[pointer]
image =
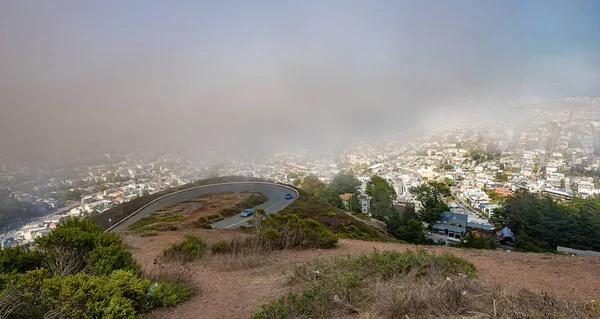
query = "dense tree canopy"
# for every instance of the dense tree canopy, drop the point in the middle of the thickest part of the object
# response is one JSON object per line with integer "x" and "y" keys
{"x": 430, "y": 196}
{"x": 541, "y": 224}
{"x": 345, "y": 182}
{"x": 354, "y": 204}
{"x": 311, "y": 183}
{"x": 383, "y": 196}
{"x": 407, "y": 226}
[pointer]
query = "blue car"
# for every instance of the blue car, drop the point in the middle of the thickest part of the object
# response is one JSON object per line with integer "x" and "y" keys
{"x": 288, "y": 196}
{"x": 247, "y": 212}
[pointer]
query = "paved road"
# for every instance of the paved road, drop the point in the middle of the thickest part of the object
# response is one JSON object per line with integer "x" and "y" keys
{"x": 275, "y": 192}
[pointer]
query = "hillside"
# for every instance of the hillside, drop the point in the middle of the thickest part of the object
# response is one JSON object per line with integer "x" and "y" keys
{"x": 335, "y": 219}
{"x": 227, "y": 285}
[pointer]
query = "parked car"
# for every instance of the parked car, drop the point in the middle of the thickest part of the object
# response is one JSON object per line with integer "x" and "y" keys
{"x": 247, "y": 212}
{"x": 288, "y": 196}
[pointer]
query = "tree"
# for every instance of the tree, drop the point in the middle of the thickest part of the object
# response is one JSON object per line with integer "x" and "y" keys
{"x": 449, "y": 181}
{"x": 501, "y": 177}
{"x": 311, "y": 183}
{"x": 477, "y": 241}
{"x": 562, "y": 183}
{"x": 407, "y": 227}
{"x": 345, "y": 182}
{"x": 354, "y": 204}
{"x": 430, "y": 196}
{"x": 292, "y": 175}
{"x": 331, "y": 194}
{"x": 540, "y": 223}
{"x": 296, "y": 182}
{"x": 383, "y": 196}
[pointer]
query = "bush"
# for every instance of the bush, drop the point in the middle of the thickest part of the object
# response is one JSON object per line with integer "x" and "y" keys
{"x": 477, "y": 241}
{"x": 149, "y": 233}
{"x": 155, "y": 220}
{"x": 167, "y": 294}
{"x": 19, "y": 260}
{"x": 220, "y": 247}
{"x": 79, "y": 245}
{"x": 251, "y": 202}
{"x": 121, "y": 295}
{"x": 190, "y": 249}
{"x": 227, "y": 212}
{"x": 83, "y": 273}
{"x": 334, "y": 219}
{"x": 204, "y": 222}
{"x": 284, "y": 231}
{"x": 341, "y": 286}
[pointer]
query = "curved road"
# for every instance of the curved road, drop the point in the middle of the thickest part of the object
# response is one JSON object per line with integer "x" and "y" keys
{"x": 275, "y": 192}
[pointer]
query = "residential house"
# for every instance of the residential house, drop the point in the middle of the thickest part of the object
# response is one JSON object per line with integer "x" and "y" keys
{"x": 346, "y": 199}
{"x": 451, "y": 224}
{"x": 365, "y": 203}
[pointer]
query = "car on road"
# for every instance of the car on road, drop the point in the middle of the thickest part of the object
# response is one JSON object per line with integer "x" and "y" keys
{"x": 247, "y": 212}
{"x": 288, "y": 196}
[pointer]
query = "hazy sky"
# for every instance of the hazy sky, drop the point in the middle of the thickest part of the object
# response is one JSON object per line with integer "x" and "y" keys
{"x": 239, "y": 75}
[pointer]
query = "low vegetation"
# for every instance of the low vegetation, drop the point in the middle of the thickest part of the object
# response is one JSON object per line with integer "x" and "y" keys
{"x": 477, "y": 240}
{"x": 190, "y": 249}
{"x": 79, "y": 271}
{"x": 409, "y": 284}
{"x": 120, "y": 211}
{"x": 333, "y": 218}
{"x": 540, "y": 223}
{"x": 249, "y": 202}
{"x": 204, "y": 222}
{"x": 155, "y": 221}
{"x": 271, "y": 232}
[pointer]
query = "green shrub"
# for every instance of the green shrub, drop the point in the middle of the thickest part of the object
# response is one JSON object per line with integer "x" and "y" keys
{"x": 477, "y": 242}
{"x": 190, "y": 249}
{"x": 334, "y": 219}
{"x": 84, "y": 273}
{"x": 251, "y": 201}
{"x": 341, "y": 286}
{"x": 155, "y": 220}
{"x": 204, "y": 222}
{"x": 85, "y": 246}
{"x": 167, "y": 294}
{"x": 19, "y": 260}
{"x": 325, "y": 299}
{"x": 284, "y": 231}
{"x": 149, "y": 233}
{"x": 220, "y": 247}
{"x": 230, "y": 211}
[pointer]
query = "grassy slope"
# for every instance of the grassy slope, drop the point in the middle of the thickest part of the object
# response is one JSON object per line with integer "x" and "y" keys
{"x": 345, "y": 226}
{"x": 119, "y": 212}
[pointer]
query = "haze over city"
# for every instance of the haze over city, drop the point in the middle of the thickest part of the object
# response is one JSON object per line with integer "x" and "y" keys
{"x": 238, "y": 77}
{"x": 299, "y": 159}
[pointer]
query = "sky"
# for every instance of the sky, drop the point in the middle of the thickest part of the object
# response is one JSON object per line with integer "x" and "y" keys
{"x": 255, "y": 76}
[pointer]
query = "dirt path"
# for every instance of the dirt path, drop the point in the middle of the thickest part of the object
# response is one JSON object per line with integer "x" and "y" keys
{"x": 239, "y": 293}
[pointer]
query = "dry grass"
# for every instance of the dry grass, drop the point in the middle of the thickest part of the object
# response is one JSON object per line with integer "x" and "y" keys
{"x": 407, "y": 285}
{"x": 432, "y": 297}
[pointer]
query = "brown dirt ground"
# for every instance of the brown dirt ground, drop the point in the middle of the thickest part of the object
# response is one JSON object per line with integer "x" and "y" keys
{"x": 239, "y": 293}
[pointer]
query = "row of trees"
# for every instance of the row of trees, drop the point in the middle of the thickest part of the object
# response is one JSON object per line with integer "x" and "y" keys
{"x": 540, "y": 223}
{"x": 342, "y": 183}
